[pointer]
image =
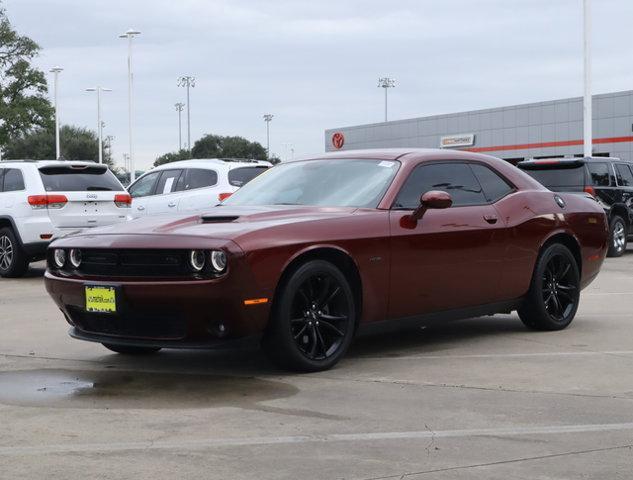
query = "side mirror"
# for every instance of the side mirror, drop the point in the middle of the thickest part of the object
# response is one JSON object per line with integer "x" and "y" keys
{"x": 434, "y": 199}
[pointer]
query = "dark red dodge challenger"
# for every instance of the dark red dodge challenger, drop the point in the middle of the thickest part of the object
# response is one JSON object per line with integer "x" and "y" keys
{"x": 312, "y": 251}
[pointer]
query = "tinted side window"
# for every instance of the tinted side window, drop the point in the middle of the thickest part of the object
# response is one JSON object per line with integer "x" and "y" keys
{"x": 624, "y": 175}
{"x": 493, "y": 185}
{"x": 167, "y": 182}
{"x": 13, "y": 180}
{"x": 1, "y": 178}
{"x": 144, "y": 186}
{"x": 599, "y": 174}
{"x": 455, "y": 178}
{"x": 238, "y": 177}
{"x": 200, "y": 178}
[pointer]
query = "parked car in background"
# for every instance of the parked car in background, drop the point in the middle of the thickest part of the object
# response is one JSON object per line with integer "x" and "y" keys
{"x": 191, "y": 185}
{"x": 608, "y": 180}
{"x": 43, "y": 200}
{"x": 313, "y": 251}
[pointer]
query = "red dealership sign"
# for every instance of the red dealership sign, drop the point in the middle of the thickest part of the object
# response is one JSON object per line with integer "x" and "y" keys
{"x": 338, "y": 140}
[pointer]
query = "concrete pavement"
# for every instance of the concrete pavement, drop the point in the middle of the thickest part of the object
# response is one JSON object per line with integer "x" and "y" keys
{"x": 482, "y": 398}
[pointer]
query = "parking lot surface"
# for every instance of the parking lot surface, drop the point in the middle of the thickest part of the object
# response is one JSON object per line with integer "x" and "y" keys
{"x": 480, "y": 398}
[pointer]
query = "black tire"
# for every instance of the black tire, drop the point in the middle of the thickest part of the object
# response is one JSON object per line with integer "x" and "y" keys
{"x": 617, "y": 237}
{"x": 313, "y": 319}
{"x": 130, "y": 350}
{"x": 13, "y": 261}
{"x": 552, "y": 301}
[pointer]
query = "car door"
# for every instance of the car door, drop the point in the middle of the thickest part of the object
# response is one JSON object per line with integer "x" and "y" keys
{"x": 452, "y": 258}
{"x": 141, "y": 192}
{"x": 200, "y": 190}
{"x": 167, "y": 195}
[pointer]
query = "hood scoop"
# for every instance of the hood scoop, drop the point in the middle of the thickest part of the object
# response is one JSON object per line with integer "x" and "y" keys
{"x": 218, "y": 219}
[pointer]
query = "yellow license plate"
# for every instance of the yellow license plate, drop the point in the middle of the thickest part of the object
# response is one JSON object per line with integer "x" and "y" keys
{"x": 101, "y": 299}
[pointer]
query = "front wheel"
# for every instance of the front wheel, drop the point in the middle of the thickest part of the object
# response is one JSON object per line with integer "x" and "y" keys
{"x": 617, "y": 237}
{"x": 129, "y": 350}
{"x": 313, "y": 319}
{"x": 554, "y": 294}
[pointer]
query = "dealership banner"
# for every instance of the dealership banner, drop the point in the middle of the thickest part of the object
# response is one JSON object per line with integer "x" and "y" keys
{"x": 461, "y": 140}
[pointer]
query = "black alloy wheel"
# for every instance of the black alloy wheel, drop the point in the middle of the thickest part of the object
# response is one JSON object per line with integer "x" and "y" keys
{"x": 320, "y": 316}
{"x": 559, "y": 287}
{"x": 554, "y": 294}
{"x": 313, "y": 318}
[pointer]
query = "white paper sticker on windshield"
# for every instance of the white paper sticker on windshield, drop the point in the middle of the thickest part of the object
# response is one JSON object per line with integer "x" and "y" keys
{"x": 386, "y": 164}
{"x": 168, "y": 185}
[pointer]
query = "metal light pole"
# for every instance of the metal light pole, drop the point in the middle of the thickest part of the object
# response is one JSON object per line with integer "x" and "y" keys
{"x": 99, "y": 89}
{"x": 268, "y": 118}
{"x": 55, "y": 71}
{"x": 188, "y": 82}
{"x": 587, "y": 113}
{"x": 130, "y": 34}
{"x": 179, "y": 106}
{"x": 386, "y": 83}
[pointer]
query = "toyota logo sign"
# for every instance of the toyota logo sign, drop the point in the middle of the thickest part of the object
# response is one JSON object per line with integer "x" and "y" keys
{"x": 338, "y": 140}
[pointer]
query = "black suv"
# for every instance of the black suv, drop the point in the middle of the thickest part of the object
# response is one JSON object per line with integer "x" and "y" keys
{"x": 609, "y": 180}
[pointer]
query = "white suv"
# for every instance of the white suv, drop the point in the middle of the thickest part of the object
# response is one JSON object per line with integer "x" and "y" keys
{"x": 191, "y": 186}
{"x": 43, "y": 200}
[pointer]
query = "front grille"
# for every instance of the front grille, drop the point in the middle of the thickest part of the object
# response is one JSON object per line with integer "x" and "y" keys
{"x": 131, "y": 324}
{"x": 134, "y": 263}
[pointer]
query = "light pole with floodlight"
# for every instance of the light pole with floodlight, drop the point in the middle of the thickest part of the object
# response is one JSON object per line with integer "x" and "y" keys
{"x": 179, "y": 106}
{"x": 188, "y": 82}
{"x": 99, "y": 89}
{"x": 130, "y": 34}
{"x": 55, "y": 71}
{"x": 386, "y": 83}
{"x": 587, "y": 110}
{"x": 268, "y": 118}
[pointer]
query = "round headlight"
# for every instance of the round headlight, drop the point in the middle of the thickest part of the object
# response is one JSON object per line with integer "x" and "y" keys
{"x": 59, "y": 256}
{"x": 75, "y": 257}
{"x": 218, "y": 260}
{"x": 197, "y": 260}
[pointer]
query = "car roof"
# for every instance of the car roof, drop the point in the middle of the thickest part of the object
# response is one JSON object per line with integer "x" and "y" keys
{"x": 49, "y": 163}
{"x": 227, "y": 163}
{"x": 405, "y": 154}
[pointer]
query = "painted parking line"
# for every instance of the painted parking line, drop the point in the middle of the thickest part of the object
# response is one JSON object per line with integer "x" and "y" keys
{"x": 501, "y": 355}
{"x": 301, "y": 439}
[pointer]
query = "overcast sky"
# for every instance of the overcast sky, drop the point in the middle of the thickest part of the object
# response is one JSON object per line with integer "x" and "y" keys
{"x": 315, "y": 64}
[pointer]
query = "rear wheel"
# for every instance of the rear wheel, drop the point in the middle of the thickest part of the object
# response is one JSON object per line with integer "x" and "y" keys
{"x": 617, "y": 237}
{"x": 130, "y": 350}
{"x": 313, "y": 319}
{"x": 552, "y": 301}
{"x": 13, "y": 261}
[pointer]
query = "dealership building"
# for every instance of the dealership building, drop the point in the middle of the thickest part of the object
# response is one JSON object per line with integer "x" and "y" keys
{"x": 535, "y": 130}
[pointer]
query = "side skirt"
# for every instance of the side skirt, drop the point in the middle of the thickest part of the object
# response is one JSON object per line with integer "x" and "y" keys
{"x": 438, "y": 317}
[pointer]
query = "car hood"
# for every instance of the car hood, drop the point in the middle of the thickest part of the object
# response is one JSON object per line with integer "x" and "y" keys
{"x": 224, "y": 222}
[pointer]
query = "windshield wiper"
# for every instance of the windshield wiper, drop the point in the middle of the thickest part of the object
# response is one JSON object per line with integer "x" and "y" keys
{"x": 98, "y": 189}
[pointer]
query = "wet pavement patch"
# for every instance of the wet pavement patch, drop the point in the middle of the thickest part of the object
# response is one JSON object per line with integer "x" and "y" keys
{"x": 130, "y": 389}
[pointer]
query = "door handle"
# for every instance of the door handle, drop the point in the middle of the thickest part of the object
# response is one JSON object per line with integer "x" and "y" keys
{"x": 171, "y": 204}
{"x": 140, "y": 207}
{"x": 492, "y": 219}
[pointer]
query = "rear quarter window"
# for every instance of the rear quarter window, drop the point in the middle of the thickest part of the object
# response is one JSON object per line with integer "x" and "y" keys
{"x": 12, "y": 180}
{"x": 239, "y": 177}
{"x": 600, "y": 174}
{"x": 68, "y": 179}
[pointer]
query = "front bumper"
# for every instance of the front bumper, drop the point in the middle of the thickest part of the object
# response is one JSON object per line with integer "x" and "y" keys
{"x": 170, "y": 314}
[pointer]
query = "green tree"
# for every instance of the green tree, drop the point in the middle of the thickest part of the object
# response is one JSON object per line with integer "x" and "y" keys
{"x": 217, "y": 146}
{"x": 23, "y": 102}
{"x": 76, "y": 143}
{"x": 172, "y": 157}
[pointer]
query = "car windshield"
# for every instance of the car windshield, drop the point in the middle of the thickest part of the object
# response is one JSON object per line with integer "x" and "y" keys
{"x": 327, "y": 183}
